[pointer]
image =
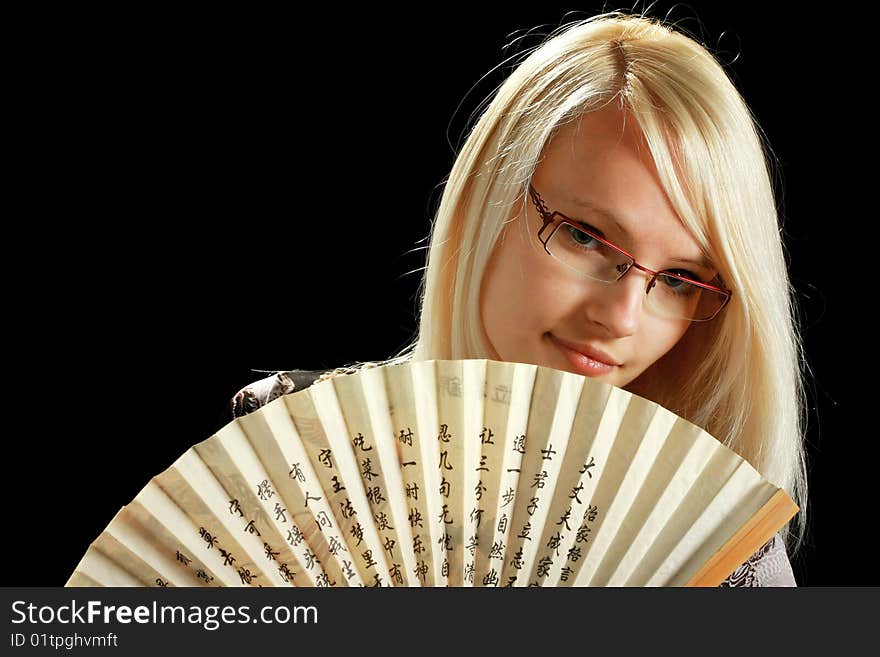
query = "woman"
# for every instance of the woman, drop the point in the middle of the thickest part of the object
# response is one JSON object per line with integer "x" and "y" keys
{"x": 612, "y": 214}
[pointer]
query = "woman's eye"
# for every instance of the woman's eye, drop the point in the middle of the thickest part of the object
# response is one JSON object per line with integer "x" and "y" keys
{"x": 685, "y": 273}
{"x": 582, "y": 238}
{"x": 673, "y": 282}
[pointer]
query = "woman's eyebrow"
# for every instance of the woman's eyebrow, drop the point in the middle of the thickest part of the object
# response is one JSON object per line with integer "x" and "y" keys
{"x": 610, "y": 216}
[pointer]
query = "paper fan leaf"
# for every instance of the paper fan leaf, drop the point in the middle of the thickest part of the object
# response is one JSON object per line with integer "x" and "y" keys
{"x": 445, "y": 473}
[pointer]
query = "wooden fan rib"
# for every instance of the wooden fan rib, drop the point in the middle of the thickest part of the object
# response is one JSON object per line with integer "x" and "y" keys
{"x": 778, "y": 510}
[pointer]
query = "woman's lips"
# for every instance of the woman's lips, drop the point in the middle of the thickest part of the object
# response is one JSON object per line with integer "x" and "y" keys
{"x": 587, "y": 360}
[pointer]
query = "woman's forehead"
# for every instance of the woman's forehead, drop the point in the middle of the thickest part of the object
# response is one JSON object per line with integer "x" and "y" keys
{"x": 601, "y": 165}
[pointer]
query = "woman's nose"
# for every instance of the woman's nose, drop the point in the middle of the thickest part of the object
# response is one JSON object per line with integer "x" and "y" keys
{"x": 618, "y": 306}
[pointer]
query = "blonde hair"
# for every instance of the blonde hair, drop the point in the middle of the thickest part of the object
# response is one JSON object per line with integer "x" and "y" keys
{"x": 742, "y": 378}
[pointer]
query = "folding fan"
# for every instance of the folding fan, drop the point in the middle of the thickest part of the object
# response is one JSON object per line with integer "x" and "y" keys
{"x": 445, "y": 473}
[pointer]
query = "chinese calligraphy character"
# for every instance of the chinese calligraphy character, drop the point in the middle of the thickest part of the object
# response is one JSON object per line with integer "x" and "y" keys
{"x": 336, "y": 545}
{"x": 367, "y": 470}
{"x": 270, "y": 554}
{"x": 405, "y": 436}
{"x": 323, "y": 581}
{"x": 359, "y": 442}
{"x": 382, "y": 521}
{"x": 228, "y": 559}
{"x": 444, "y": 516}
{"x": 395, "y": 573}
{"x": 311, "y": 558}
{"x": 323, "y": 520}
{"x": 279, "y": 512}
{"x": 587, "y": 467}
{"x": 565, "y": 518}
{"x": 508, "y": 496}
{"x": 444, "y": 433}
{"x": 451, "y": 385}
{"x": 502, "y": 394}
{"x": 295, "y": 536}
{"x": 325, "y": 456}
{"x": 583, "y": 534}
{"x": 209, "y": 539}
{"x": 246, "y": 575}
{"x": 421, "y": 571}
{"x": 358, "y": 532}
{"x": 544, "y": 566}
{"x": 285, "y": 572}
{"x": 296, "y": 473}
{"x": 517, "y": 561}
{"x": 374, "y": 494}
{"x": 347, "y": 509}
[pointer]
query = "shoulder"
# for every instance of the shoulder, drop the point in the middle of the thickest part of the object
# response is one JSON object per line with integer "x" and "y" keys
{"x": 769, "y": 566}
{"x": 261, "y": 392}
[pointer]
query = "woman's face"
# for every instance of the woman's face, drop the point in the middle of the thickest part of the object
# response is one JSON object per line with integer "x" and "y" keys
{"x": 530, "y": 301}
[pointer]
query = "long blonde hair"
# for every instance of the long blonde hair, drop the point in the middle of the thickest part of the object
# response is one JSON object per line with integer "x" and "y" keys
{"x": 739, "y": 376}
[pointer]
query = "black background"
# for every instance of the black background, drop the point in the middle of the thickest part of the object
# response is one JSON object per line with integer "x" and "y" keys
{"x": 195, "y": 197}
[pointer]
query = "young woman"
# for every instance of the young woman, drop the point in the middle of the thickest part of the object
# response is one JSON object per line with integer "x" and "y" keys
{"x": 612, "y": 214}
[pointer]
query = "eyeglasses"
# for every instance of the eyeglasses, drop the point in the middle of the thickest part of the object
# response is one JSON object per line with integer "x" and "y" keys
{"x": 581, "y": 249}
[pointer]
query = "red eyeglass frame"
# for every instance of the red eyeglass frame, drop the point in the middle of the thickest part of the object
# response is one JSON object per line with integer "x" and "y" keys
{"x": 549, "y": 219}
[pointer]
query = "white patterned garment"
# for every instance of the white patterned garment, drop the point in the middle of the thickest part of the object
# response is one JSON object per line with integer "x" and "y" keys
{"x": 769, "y": 566}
